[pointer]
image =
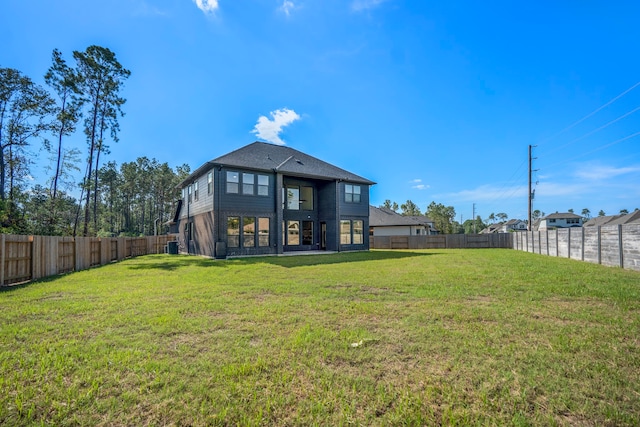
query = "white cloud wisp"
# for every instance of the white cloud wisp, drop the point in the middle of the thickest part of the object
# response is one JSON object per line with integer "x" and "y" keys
{"x": 287, "y": 7}
{"x": 270, "y": 129}
{"x": 207, "y": 6}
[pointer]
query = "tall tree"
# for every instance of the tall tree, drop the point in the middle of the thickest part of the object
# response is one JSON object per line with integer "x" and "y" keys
{"x": 601, "y": 213}
{"x": 64, "y": 81}
{"x": 586, "y": 213}
{"x": 492, "y": 218}
{"x": 390, "y": 205}
{"x": 502, "y": 216}
{"x": 442, "y": 216}
{"x": 410, "y": 209}
{"x": 101, "y": 77}
{"x": 24, "y": 112}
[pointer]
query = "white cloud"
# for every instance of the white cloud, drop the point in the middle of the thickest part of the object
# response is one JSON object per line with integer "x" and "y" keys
{"x": 361, "y": 5}
{"x": 207, "y": 6}
{"x": 269, "y": 129}
{"x": 287, "y": 7}
{"x": 600, "y": 173}
{"x": 418, "y": 184}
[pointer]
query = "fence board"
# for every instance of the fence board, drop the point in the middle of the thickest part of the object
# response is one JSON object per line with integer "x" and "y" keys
{"x": 25, "y": 258}
{"x": 443, "y": 241}
{"x": 616, "y": 245}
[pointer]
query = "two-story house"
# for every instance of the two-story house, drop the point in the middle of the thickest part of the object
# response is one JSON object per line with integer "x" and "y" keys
{"x": 268, "y": 199}
{"x": 560, "y": 220}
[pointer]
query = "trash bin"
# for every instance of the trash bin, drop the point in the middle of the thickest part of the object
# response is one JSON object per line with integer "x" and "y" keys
{"x": 221, "y": 250}
{"x": 172, "y": 248}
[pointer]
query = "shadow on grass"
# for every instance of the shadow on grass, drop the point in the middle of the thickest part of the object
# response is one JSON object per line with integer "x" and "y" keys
{"x": 173, "y": 262}
{"x": 292, "y": 261}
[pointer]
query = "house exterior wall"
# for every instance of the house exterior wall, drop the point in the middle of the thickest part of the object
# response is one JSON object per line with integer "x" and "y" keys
{"x": 352, "y": 211}
{"x": 559, "y": 223}
{"x": 204, "y": 223}
{"x": 401, "y": 230}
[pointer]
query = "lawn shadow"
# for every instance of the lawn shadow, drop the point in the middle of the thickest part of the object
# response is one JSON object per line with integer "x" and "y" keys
{"x": 305, "y": 260}
{"x": 171, "y": 262}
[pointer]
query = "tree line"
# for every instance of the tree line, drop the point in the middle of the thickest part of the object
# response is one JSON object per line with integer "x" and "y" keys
{"x": 82, "y": 97}
{"x": 444, "y": 216}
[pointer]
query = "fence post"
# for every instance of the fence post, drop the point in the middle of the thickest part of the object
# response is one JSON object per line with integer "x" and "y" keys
{"x": 569, "y": 242}
{"x": 582, "y": 245}
{"x": 620, "y": 248}
{"x": 599, "y": 244}
{"x": 2, "y": 242}
{"x": 547, "y": 240}
{"x": 557, "y": 245}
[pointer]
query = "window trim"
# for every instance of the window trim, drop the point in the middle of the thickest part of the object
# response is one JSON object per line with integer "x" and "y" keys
{"x": 210, "y": 183}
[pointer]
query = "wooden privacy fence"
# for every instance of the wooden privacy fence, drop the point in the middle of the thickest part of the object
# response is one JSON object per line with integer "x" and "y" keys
{"x": 25, "y": 258}
{"x": 443, "y": 241}
{"x": 614, "y": 245}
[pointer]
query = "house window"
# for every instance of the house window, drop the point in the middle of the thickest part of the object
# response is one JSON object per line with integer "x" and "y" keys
{"x": 195, "y": 191}
{"x": 247, "y": 183}
{"x": 189, "y": 190}
{"x": 293, "y": 233}
{"x": 263, "y": 231}
{"x": 210, "y": 183}
{"x": 306, "y": 199}
{"x": 233, "y": 182}
{"x": 293, "y": 198}
{"x": 345, "y": 232}
{"x": 248, "y": 232}
{"x": 184, "y": 195}
{"x": 263, "y": 185}
{"x": 307, "y": 232}
{"x": 233, "y": 232}
{"x": 358, "y": 232}
{"x": 352, "y": 193}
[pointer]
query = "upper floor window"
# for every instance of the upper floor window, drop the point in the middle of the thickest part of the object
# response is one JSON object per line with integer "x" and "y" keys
{"x": 189, "y": 191}
{"x": 195, "y": 191}
{"x": 233, "y": 182}
{"x": 263, "y": 185}
{"x": 247, "y": 183}
{"x": 351, "y": 193}
{"x": 210, "y": 183}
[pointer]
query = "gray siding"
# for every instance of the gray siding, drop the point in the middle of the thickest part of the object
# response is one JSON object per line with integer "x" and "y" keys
{"x": 204, "y": 202}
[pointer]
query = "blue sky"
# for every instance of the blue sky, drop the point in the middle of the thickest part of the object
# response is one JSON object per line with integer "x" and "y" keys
{"x": 434, "y": 101}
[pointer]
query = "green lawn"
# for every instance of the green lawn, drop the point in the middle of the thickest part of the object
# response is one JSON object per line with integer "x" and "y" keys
{"x": 455, "y": 337}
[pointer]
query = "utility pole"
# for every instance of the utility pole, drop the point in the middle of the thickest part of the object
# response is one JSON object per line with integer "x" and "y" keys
{"x": 530, "y": 194}
{"x": 474, "y": 219}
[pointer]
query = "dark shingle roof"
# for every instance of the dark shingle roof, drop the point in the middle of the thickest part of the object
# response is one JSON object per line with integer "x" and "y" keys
{"x": 383, "y": 217}
{"x": 562, "y": 215}
{"x": 282, "y": 159}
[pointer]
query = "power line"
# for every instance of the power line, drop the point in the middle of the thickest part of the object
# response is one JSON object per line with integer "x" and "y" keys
{"x": 590, "y": 114}
{"x": 594, "y": 131}
{"x": 602, "y": 147}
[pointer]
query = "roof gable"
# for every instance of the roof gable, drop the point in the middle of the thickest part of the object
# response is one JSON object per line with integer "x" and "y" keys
{"x": 286, "y": 160}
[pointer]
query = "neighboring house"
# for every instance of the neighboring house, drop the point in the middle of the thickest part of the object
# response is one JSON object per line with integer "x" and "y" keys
{"x": 268, "y": 199}
{"x": 385, "y": 222}
{"x": 622, "y": 219}
{"x": 513, "y": 225}
{"x": 560, "y": 220}
{"x": 492, "y": 229}
{"x": 505, "y": 227}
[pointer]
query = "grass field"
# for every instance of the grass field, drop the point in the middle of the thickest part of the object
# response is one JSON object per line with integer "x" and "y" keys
{"x": 454, "y": 337}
